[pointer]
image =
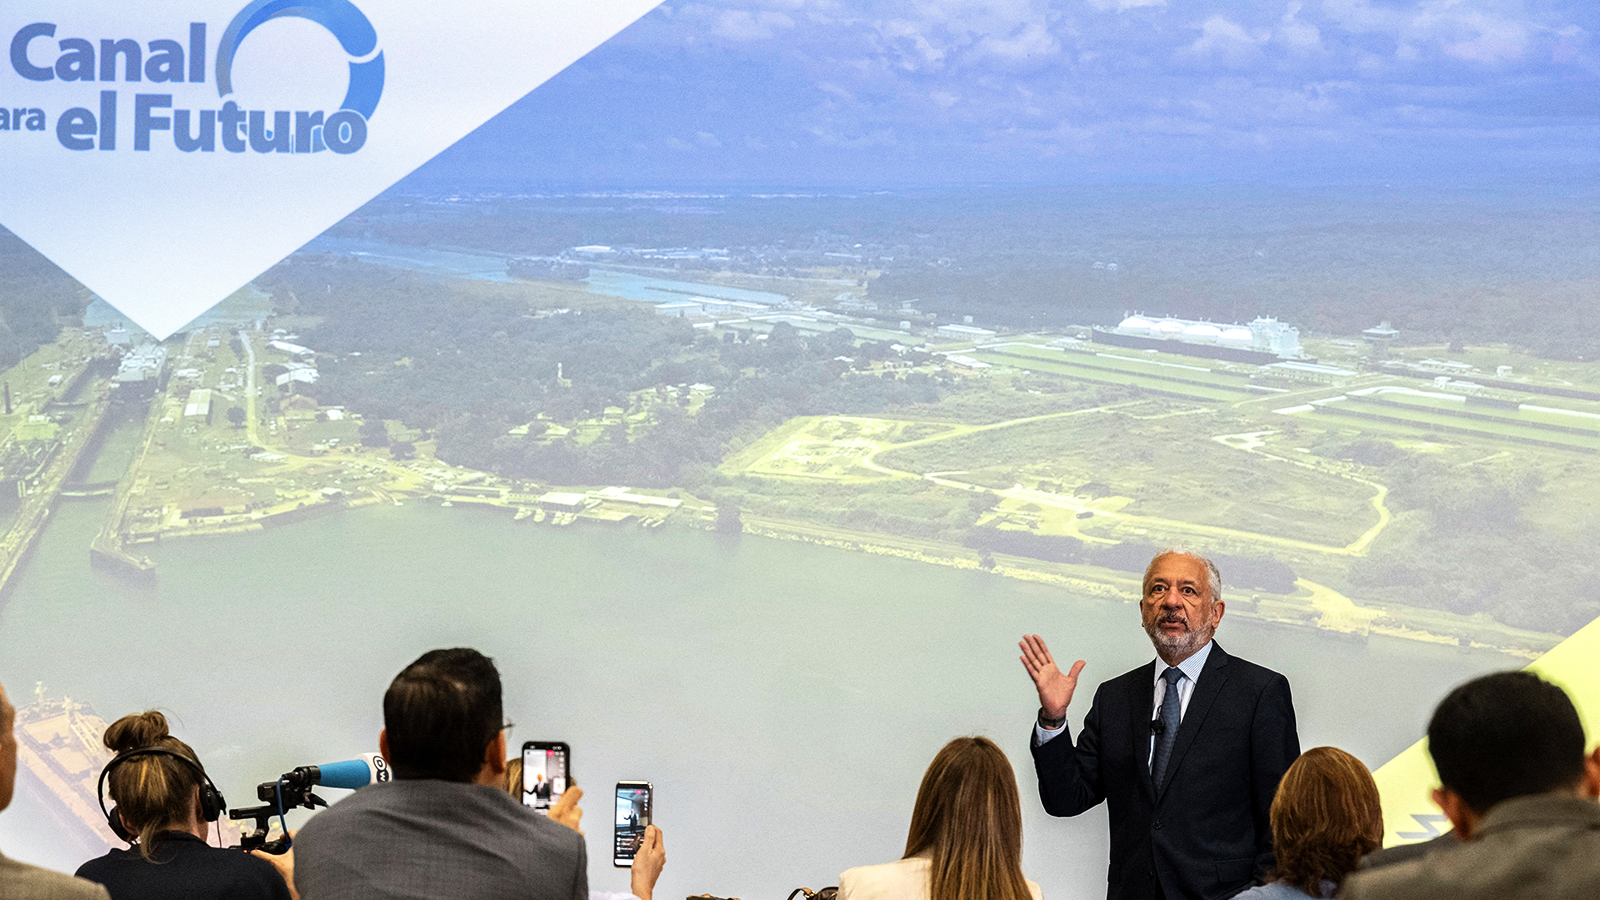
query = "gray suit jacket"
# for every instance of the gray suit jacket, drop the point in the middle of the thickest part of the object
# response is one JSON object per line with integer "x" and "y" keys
{"x": 424, "y": 838}
{"x": 1545, "y": 847}
{"x": 20, "y": 881}
{"x": 1400, "y": 853}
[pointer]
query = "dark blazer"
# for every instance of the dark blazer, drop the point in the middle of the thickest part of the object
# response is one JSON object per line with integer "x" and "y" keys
{"x": 183, "y": 865}
{"x": 1205, "y": 836}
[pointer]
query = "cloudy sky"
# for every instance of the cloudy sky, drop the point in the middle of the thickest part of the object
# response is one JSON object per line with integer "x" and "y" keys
{"x": 824, "y": 93}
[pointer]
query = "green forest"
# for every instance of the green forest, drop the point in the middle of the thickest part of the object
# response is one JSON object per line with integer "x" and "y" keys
{"x": 469, "y": 367}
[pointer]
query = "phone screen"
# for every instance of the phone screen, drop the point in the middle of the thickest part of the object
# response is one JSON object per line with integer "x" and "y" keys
{"x": 545, "y": 774}
{"x": 634, "y": 802}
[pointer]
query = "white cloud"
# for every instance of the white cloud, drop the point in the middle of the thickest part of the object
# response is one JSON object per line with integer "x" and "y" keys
{"x": 1296, "y": 33}
{"x": 1031, "y": 41}
{"x": 1461, "y": 29}
{"x": 1225, "y": 41}
{"x": 1496, "y": 41}
{"x": 744, "y": 25}
{"x": 1124, "y": 5}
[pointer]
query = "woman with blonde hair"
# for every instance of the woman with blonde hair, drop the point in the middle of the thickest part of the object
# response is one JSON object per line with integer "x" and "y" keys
{"x": 965, "y": 841}
{"x": 164, "y": 804}
{"x": 1325, "y": 817}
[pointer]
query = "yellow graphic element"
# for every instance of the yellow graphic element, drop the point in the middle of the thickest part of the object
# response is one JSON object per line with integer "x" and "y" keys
{"x": 1406, "y": 782}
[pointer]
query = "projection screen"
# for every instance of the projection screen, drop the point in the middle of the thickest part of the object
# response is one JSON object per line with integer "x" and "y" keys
{"x": 747, "y": 378}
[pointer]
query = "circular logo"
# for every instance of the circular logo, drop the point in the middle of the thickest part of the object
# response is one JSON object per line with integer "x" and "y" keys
{"x": 347, "y": 24}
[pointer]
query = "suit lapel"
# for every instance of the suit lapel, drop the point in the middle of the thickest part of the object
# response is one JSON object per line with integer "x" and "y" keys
{"x": 1141, "y": 705}
{"x": 1206, "y": 689}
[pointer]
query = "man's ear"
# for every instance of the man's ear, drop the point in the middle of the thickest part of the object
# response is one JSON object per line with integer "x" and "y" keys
{"x": 1457, "y": 811}
{"x": 383, "y": 747}
{"x": 495, "y": 755}
{"x": 1217, "y": 614}
{"x": 1591, "y": 775}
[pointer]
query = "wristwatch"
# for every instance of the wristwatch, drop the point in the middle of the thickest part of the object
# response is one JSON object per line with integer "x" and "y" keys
{"x": 1049, "y": 724}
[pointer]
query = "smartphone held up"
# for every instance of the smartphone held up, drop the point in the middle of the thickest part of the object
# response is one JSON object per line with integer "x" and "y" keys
{"x": 546, "y": 773}
{"x": 635, "y": 803}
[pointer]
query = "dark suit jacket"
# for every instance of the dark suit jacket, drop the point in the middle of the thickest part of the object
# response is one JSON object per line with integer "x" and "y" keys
{"x": 1205, "y": 836}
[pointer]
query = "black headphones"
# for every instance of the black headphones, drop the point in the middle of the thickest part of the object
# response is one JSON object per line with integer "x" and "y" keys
{"x": 212, "y": 803}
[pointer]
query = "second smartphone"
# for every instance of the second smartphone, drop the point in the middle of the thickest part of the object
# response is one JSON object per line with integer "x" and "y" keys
{"x": 635, "y": 804}
{"x": 546, "y": 772}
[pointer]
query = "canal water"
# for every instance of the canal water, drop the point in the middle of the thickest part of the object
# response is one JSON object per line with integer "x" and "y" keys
{"x": 784, "y": 698}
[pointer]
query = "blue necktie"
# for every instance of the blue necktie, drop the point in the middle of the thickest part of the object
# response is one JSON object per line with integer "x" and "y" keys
{"x": 1171, "y": 715}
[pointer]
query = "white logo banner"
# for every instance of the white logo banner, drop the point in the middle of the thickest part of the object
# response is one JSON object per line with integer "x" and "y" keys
{"x": 164, "y": 153}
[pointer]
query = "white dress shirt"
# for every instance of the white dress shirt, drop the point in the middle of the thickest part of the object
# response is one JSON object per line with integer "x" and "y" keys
{"x": 1190, "y": 668}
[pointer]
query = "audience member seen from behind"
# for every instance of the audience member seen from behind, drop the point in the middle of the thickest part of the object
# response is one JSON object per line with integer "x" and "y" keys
{"x": 155, "y": 785}
{"x": 966, "y": 834}
{"x": 20, "y": 881}
{"x": 1516, "y": 785}
{"x": 1325, "y": 817}
{"x": 444, "y": 827}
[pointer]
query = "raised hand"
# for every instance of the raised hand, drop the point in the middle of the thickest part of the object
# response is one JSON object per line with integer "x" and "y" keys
{"x": 1055, "y": 686}
{"x": 566, "y": 811}
{"x": 649, "y": 858}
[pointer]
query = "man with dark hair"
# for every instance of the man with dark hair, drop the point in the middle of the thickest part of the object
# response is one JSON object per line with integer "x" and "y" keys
{"x": 445, "y": 827}
{"x": 1516, "y": 785}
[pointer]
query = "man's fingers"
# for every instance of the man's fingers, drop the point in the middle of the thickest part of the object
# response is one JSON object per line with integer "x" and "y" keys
{"x": 1044, "y": 651}
{"x": 1076, "y": 668}
{"x": 569, "y": 799}
{"x": 1032, "y": 648}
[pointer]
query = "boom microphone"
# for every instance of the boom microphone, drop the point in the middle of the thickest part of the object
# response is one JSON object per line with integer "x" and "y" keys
{"x": 369, "y": 768}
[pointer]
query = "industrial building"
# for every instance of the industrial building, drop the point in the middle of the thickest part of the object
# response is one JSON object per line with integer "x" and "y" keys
{"x": 1265, "y": 340}
{"x": 964, "y": 332}
{"x": 199, "y": 405}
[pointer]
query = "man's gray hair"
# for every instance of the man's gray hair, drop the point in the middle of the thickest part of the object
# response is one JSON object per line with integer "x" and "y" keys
{"x": 1213, "y": 577}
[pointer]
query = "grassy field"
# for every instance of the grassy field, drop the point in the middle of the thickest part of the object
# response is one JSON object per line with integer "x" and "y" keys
{"x": 1541, "y": 416}
{"x": 1189, "y": 384}
{"x": 1168, "y": 468}
{"x": 1426, "y": 418}
{"x": 1189, "y": 369}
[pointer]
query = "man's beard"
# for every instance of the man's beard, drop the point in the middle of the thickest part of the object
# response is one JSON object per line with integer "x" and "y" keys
{"x": 1182, "y": 645}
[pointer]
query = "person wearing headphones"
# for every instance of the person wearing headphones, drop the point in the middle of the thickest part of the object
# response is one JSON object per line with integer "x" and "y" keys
{"x": 164, "y": 804}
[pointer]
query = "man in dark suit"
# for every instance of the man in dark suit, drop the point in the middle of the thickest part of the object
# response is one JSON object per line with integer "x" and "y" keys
{"x": 1186, "y": 751}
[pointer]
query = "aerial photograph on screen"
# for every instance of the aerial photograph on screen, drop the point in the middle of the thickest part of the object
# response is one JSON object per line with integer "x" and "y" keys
{"x": 748, "y": 389}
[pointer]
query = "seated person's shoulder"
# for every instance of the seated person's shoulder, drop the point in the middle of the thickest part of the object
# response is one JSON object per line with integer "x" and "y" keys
{"x": 1466, "y": 870}
{"x": 903, "y": 878}
{"x": 20, "y": 881}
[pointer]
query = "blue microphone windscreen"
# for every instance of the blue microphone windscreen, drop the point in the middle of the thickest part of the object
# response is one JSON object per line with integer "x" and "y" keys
{"x": 351, "y": 773}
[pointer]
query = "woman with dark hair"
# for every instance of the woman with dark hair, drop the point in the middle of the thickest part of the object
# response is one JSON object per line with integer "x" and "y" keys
{"x": 965, "y": 841}
{"x": 159, "y": 790}
{"x": 1325, "y": 817}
